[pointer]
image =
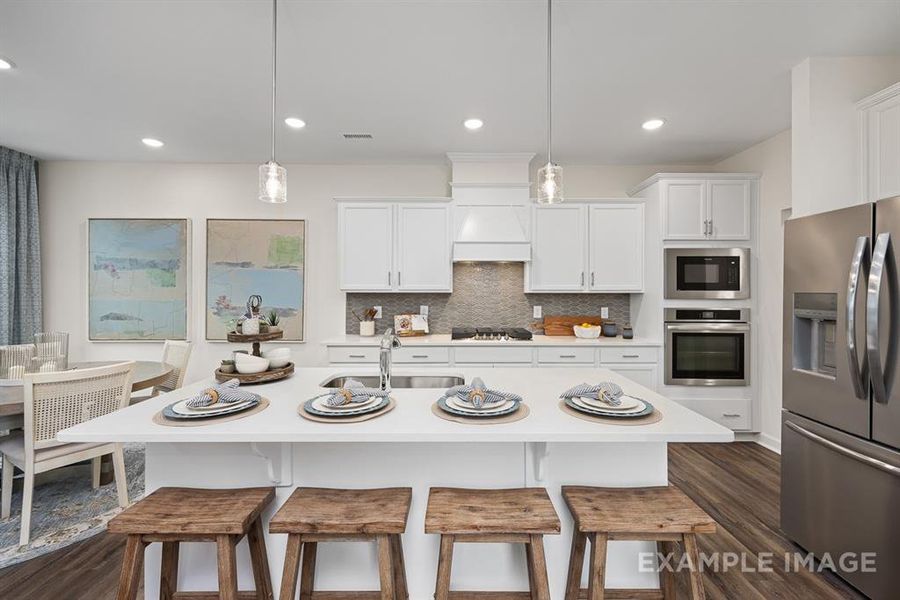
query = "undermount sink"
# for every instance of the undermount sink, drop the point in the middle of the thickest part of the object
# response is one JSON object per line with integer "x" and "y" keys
{"x": 399, "y": 381}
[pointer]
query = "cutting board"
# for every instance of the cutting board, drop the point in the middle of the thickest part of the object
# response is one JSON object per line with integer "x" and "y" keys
{"x": 561, "y": 325}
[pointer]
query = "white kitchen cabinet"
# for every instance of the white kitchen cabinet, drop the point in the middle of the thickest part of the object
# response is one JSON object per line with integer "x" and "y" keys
{"x": 879, "y": 121}
{"x": 393, "y": 246}
{"x": 616, "y": 247}
{"x": 707, "y": 209}
{"x": 684, "y": 209}
{"x": 646, "y": 374}
{"x": 729, "y": 209}
{"x": 557, "y": 248}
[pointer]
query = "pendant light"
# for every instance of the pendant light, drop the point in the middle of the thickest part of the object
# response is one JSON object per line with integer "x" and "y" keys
{"x": 550, "y": 177}
{"x": 272, "y": 176}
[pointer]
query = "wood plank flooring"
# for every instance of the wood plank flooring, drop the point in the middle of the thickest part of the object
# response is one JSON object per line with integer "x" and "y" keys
{"x": 736, "y": 483}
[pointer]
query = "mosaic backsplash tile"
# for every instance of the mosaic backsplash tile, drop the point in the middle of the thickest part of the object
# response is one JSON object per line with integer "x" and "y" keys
{"x": 487, "y": 295}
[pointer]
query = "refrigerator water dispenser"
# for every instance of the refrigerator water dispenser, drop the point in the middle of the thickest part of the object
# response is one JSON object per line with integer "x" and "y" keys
{"x": 815, "y": 322}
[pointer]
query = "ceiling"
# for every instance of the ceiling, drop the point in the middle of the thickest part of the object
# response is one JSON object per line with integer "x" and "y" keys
{"x": 94, "y": 77}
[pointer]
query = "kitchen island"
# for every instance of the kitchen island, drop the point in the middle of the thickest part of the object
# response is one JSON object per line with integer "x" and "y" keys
{"x": 411, "y": 447}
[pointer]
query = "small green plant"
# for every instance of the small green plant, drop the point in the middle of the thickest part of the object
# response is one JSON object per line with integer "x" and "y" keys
{"x": 272, "y": 318}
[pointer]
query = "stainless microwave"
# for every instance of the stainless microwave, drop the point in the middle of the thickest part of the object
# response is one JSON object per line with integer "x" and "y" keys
{"x": 713, "y": 273}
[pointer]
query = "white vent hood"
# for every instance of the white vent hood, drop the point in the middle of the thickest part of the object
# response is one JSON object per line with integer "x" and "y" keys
{"x": 490, "y": 206}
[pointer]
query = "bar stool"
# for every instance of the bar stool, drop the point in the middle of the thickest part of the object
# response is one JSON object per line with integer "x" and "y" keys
{"x": 661, "y": 514}
{"x": 313, "y": 515}
{"x": 175, "y": 515}
{"x": 514, "y": 516}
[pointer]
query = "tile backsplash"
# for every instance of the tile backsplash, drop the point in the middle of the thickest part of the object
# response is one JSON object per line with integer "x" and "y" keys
{"x": 485, "y": 294}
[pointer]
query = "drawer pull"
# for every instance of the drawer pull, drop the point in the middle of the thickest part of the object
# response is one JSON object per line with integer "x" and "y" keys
{"x": 731, "y": 415}
{"x": 420, "y": 356}
{"x": 567, "y": 356}
{"x": 631, "y": 356}
{"x": 357, "y": 356}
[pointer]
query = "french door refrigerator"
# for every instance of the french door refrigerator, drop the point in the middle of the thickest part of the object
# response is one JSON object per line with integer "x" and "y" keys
{"x": 840, "y": 462}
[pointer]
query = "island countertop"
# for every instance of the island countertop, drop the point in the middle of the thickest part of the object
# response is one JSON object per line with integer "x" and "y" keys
{"x": 412, "y": 419}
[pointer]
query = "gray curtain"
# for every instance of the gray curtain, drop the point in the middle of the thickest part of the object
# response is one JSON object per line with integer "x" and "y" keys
{"x": 20, "y": 248}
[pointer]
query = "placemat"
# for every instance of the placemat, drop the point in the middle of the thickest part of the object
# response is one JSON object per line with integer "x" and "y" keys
{"x": 654, "y": 417}
{"x": 159, "y": 419}
{"x": 357, "y": 419}
{"x": 520, "y": 414}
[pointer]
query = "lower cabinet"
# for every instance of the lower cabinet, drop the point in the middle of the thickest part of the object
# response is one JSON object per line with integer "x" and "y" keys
{"x": 646, "y": 375}
{"x": 733, "y": 413}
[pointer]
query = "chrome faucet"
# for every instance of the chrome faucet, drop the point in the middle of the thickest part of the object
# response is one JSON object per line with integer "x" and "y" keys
{"x": 389, "y": 341}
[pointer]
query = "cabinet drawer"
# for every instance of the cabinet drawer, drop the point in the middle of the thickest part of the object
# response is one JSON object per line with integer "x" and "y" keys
{"x": 628, "y": 355}
{"x": 414, "y": 354}
{"x": 580, "y": 356}
{"x": 352, "y": 354}
{"x": 731, "y": 413}
{"x": 492, "y": 354}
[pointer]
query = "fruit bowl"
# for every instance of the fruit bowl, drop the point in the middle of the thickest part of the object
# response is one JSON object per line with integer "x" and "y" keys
{"x": 587, "y": 331}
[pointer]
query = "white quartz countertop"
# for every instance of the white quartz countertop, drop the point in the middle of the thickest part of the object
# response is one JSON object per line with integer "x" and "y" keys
{"x": 443, "y": 339}
{"x": 412, "y": 419}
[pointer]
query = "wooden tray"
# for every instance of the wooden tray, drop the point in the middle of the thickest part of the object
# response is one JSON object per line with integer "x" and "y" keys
{"x": 265, "y": 376}
{"x": 258, "y": 337}
{"x": 561, "y": 325}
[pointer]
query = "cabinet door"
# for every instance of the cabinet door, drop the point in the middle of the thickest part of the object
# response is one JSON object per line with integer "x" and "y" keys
{"x": 558, "y": 249}
{"x": 729, "y": 209}
{"x": 884, "y": 149}
{"x": 645, "y": 375}
{"x": 617, "y": 247}
{"x": 684, "y": 210}
{"x": 366, "y": 247}
{"x": 423, "y": 248}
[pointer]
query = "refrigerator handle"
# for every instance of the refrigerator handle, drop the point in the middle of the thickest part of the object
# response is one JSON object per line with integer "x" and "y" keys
{"x": 859, "y": 268}
{"x": 873, "y": 300}
{"x": 872, "y": 462}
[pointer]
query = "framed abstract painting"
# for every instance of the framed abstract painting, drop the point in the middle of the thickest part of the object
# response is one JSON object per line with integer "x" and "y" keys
{"x": 262, "y": 257}
{"x": 138, "y": 278}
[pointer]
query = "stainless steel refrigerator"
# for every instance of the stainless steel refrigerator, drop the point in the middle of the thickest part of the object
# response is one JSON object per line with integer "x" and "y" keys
{"x": 840, "y": 462}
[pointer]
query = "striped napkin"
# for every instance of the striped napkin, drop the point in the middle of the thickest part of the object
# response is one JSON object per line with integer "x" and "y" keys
{"x": 353, "y": 391}
{"x": 477, "y": 394}
{"x": 605, "y": 391}
{"x": 224, "y": 393}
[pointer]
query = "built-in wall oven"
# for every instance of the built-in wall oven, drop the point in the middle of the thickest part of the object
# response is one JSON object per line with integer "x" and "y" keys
{"x": 709, "y": 273}
{"x": 707, "y": 346}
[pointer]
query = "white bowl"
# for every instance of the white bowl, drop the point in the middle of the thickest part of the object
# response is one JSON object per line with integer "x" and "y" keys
{"x": 278, "y": 357}
{"x": 247, "y": 364}
{"x": 587, "y": 333}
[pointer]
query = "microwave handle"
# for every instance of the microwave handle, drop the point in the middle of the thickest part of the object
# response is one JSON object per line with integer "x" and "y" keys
{"x": 859, "y": 268}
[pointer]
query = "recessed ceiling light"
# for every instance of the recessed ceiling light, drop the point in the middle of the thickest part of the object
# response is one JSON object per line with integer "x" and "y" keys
{"x": 6, "y": 64}
{"x": 473, "y": 124}
{"x": 295, "y": 123}
{"x": 152, "y": 142}
{"x": 652, "y": 124}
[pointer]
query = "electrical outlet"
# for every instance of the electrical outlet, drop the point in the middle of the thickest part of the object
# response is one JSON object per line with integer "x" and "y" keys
{"x": 604, "y": 312}
{"x": 377, "y": 312}
{"x": 538, "y": 312}
{"x": 423, "y": 310}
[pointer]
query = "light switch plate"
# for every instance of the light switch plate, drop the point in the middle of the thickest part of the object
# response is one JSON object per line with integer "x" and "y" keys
{"x": 538, "y": 312}
{"x": 423, "y": 310}
{"x": 604, "y": 312}
{"x": 377, "y": 312}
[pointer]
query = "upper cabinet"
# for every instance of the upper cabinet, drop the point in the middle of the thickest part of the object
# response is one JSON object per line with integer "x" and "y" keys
{"x": 879, "y": 128}
{"x": 587, "y": 246}
{"x": 394, "y": 246}
{"x": 706, "y": 209}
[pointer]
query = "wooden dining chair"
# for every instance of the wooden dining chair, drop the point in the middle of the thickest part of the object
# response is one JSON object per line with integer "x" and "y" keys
{"x": 57, "y": 401}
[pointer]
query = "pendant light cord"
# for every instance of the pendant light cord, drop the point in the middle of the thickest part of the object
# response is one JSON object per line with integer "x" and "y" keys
{"x": 549, "y": 79}
{"x": 274, "y": 67}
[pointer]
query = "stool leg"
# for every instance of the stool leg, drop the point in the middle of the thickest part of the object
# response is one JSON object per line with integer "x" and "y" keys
{"x": 576, "y": 565}
{"x": 132, "y": 566}
{"x": 598, "y": 566}
{"x": 401, "y": 592}
{"x": 308, "y": 572}
{"x": 529, "y": 562}
{"x": 385, "y": 567}
{"x": 541, "y": 587}
{"x": 666, "y": 575}
{"x": 445, "y": 562}
{"x": 690, "y": 548}
{"x": 168, "y": 574}
{"x": 227, "y": 562}
{"x": 291, "y": 566}
{"x": 259, "y": 560}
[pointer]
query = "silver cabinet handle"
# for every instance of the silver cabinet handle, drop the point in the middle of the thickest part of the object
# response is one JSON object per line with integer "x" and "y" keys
{"x": 631, "y": 356}
{"x": 582, "y": 279}
{"x": 858, "y": 266}
{"x": 731, "y": 415}
{"x": 710, "y": 228}
{"x": 398, "y": 278}
{"x": 592, "y": 279}
{"x": 874, "y": 462}
{"x": 389, "y": 279}
{"x": 705, "y": 227}
{"x": 357, "y": 356}
{"x": 567, "y": 356}
{"x": 873, "y": 299}
{"x": 420, "y": 356}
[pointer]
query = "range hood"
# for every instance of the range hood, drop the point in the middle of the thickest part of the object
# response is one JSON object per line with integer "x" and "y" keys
{"x": 491, "y": 207}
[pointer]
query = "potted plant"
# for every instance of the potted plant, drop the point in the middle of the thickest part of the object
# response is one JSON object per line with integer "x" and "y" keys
{"x": 366, "y": 321}
{"x": 273, "y": 321}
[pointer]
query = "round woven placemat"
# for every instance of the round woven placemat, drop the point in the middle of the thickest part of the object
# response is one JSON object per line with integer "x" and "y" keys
{"x": 159, "y": 419}
{"x": 357, "y": 419}
{"x": 520, "y": 414}
{"x": 654, "y": 417}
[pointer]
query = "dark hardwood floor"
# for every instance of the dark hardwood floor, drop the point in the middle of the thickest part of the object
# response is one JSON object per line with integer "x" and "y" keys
{"x": 736, "y": 483}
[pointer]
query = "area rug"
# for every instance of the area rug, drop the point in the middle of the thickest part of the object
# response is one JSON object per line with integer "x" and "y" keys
{"x": 66, "y": 510}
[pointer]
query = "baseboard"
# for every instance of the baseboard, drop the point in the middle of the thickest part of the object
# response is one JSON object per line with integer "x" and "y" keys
{"x": 767, "y": 441}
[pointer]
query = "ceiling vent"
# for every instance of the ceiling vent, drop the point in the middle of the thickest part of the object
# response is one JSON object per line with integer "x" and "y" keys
{"x": 357, "y": 136}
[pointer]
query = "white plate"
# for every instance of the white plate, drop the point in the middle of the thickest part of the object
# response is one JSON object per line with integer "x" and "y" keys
{"x": 485, "y": 406}
{"x": 628, "y": 402}
{"x": 320, "y": 404}
{"x": 495, "y": 407}
{"x": 183, "y": 409}
{"x": 636, "y": 409}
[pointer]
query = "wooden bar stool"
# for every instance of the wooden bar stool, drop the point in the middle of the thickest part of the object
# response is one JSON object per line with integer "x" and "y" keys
{"x": 515, "y": 516}
{"x": 313, "y": 515}
{"x": 661, "y": 514}
{"x": 175, "y": 515}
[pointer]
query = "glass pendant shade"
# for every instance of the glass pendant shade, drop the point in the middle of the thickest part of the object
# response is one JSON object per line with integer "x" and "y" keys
{"x": 550, "y": 184}
{"x": 272, "y": 183}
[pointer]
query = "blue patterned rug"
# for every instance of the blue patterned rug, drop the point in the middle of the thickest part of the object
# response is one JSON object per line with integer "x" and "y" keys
{"x": 66, "y": 510}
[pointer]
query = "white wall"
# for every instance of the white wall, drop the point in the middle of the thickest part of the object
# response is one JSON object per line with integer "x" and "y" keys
{"x": 824, "y": 127}
{"x": 772, "y": 159}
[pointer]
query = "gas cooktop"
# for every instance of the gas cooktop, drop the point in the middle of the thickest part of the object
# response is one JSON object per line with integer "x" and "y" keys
{"x": 503, "y": 334}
